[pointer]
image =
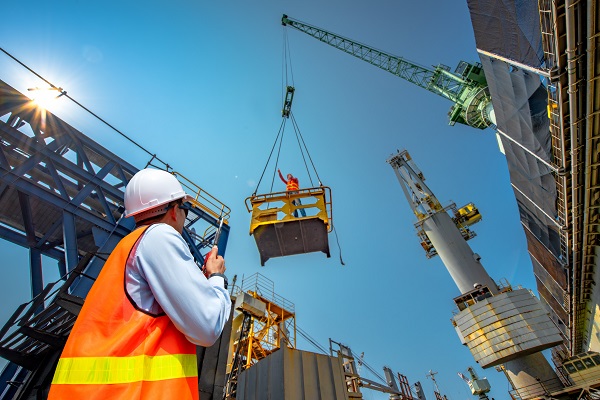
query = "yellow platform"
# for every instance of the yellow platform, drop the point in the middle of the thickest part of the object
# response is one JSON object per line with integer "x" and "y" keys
{"x": 278, "y": 232}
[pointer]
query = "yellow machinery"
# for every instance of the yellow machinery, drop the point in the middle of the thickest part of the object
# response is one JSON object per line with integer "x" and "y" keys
{"x": 204, "y": 200}
{"x": 278, "y": 232}
{"x": 467, "y": 215}
{"x": 265, "y": 322}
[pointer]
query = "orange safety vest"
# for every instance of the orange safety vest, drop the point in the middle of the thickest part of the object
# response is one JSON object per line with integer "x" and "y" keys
{"x": 292, "y": 184}
{"x": 116, "y": 351}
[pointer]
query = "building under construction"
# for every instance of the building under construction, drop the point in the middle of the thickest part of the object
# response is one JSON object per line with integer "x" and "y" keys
{"x": 62, "y": 197}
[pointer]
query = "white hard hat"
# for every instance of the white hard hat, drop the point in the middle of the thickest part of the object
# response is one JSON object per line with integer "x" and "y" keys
{"x": 150, "y": 188}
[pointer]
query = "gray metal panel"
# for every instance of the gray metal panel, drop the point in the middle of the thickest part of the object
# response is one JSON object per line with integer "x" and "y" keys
{"x": 245, "y": 302}
{"x": 292, "y": 374}
{"x": 287, "y": 238}
{"x": 520, "y": 102}
{"x": 212, "y": 365}
{"x": 510, "y": 28}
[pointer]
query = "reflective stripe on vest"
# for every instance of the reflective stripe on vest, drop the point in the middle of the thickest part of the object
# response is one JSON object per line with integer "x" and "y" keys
{"x": 118, "y": 352}
{"x": 113, "y": 370}
{"x": 291, "y": 185}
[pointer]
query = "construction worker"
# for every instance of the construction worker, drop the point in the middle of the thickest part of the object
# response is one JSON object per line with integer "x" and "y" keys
{"x": 292, "y": 186}
{"x": 135, "y": 336}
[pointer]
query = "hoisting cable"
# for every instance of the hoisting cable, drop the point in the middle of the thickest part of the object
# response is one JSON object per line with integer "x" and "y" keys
{"x": 307, "y": 153}
{"x": 339, "y": 247}
{"x": 281, "y": 128}
{"x": 286, "y": 56}
{"x": 311, "y": 340}
{"x": 381, "y": 378}
{"x": 284, "y": 77}
{"x": 325, "y": 351}
{"x": 298, "y": 135}
{"x": 277, "y": 159}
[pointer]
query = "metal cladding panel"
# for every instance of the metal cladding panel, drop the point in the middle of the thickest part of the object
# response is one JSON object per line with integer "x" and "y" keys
{"x": 551, "y": 279}
{"x": 506, "y": 326}
{"x": 212, "y": 365}
{"x": 510, "y": 28}
{"x": 546, "y": 267}
{"x": 292, "y": 374}
{"x": 246, "y": 302}
{"x": 287, "y": 238}
{"x": 520, "y": 101}
{"x": 555, "y": 301}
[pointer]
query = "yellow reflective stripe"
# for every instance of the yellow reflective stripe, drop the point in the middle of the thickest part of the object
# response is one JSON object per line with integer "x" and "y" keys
{"x": 107, "y": 370}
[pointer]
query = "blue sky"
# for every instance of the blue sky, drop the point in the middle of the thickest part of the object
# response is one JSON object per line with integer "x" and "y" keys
{"x": 201, "y": 84}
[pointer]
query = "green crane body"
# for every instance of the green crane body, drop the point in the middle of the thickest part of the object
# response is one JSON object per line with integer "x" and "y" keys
{"x": 466, "y": 87}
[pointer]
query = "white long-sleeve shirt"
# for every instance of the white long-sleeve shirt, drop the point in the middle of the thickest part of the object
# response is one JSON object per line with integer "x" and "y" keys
{"x": 161, "y": 276}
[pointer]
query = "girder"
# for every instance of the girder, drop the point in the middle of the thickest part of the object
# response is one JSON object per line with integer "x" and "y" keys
{"x": 53, "y": 177}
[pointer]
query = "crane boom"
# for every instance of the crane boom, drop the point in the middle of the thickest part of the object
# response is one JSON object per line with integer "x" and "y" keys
{"x": 441, "y": 233}
{"x": 466, "y": 87}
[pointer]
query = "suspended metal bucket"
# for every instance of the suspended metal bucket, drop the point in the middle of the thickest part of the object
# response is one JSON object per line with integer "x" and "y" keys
{"x": 287, "y": 223}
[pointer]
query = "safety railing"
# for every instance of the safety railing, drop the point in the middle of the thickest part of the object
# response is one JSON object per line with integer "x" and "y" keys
{"x": 203, "y": 199}
{"x": 265, "y": 287}
{"x": 278, "y": 207}
{"x": 540, "y": 389}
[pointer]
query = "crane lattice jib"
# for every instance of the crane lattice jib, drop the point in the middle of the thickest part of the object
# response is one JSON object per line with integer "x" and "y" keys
{"x": 438, "y": 81}
{"x": 469, "y": 96}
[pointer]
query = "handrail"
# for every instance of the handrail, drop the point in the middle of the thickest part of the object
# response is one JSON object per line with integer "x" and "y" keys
{"x": 269, "y": 215}
{"x": 204, "y": 200}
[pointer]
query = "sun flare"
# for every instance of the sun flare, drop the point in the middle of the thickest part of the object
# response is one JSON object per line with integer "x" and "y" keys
{"x": 46, "y": 97}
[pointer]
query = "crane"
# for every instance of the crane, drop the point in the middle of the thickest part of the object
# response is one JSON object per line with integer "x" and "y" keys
{"x": 440, "y": 232}
{"x": 466, "y": 87}
{"x": 488, "y": 314}
{"x": 478, "y": 386}
{"x": 354, "y": 382}
{"x": 436, "y": 391}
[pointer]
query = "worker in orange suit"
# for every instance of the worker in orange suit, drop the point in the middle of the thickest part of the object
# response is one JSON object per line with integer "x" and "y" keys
{"x": 136, "y": 333}
{"x": 292, "y": 186}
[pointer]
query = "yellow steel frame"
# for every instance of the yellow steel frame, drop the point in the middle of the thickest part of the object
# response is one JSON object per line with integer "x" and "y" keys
{"x": 266, "y": 333}
{"x": 272, "y": 208}
{"x": 204, "y": 200}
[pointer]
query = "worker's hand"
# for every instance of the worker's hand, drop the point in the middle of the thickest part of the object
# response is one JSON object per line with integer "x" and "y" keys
{"x": 214, "y": 263}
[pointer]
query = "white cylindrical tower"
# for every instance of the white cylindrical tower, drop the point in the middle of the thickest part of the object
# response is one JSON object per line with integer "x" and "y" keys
{"x": 460, "y": 261}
